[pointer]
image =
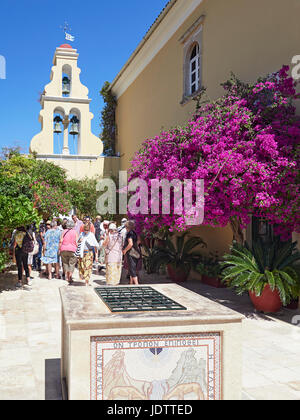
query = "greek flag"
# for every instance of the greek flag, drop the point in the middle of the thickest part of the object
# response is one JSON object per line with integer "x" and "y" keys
{"x": 70, "y": 37}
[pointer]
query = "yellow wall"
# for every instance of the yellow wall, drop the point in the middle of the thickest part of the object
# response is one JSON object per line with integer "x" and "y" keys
{"x": 249, "y": 37}
{"x": 101, "y": 167}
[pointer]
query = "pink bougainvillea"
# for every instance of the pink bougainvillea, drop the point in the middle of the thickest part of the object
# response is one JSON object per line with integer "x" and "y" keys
{"x": 246, "y": 148}
{"x": 50, "y": 201}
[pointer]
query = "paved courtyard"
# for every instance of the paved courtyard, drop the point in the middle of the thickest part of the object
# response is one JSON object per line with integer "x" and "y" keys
{"x": 30, "y": 342}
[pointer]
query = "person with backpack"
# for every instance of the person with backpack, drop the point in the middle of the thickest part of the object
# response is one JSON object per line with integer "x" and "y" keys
{"x": 23, "y": 245}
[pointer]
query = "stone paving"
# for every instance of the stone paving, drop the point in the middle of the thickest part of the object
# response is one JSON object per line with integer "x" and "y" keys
{"x": 30, "y": 341}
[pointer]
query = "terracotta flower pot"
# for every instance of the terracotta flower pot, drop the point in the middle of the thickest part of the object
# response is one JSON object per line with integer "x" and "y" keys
{"x": 294, "y": 305}
{"x": 213, "y": 282}
{"x": 178, "y": 275}
{"x": 268, "y": 302}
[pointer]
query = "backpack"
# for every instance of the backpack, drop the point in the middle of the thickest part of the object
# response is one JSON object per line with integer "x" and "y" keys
{"x": 28, "y": 244}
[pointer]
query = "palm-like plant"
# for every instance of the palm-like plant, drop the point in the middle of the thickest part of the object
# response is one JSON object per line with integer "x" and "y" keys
{"x": 251, "y": 270}
{"x": 148, "y": 255}
{"x": 181, "y": 255}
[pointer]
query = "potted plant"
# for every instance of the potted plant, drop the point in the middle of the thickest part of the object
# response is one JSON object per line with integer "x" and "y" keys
{"x": 210, "y": 269}
{"x": 179, "y": 258}
{"x": 148, "y": 254}
{"x": 266, "y": 272}
{"x": 294, "y": 304}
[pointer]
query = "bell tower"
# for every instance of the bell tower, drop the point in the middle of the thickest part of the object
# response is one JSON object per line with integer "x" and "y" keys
{"x": 65, "y": 114}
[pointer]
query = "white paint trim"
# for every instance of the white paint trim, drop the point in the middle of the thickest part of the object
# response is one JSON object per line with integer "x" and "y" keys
{"x": 175, "y": 17}
{"x": 68, "y": 157}
{"x": 75, "y": 157}
{"x": 65, "y": 100}
{"x": 185, "y": 37}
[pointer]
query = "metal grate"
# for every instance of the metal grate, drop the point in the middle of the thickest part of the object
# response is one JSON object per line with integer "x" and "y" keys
{"x": 136, "y": 299}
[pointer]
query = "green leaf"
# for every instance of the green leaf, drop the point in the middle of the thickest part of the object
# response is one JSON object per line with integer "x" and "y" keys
{"x": 271, "y": 279}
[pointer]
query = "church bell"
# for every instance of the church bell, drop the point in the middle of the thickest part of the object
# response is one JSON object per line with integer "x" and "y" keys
{"x": 74, "y": 129}
{"x": 66, "y": 86}
{"x": 57, "y": 128}
{"x": 57, "y": 125}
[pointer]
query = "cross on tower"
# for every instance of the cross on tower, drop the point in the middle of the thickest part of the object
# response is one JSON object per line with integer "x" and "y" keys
{"x": 67, "y": 29}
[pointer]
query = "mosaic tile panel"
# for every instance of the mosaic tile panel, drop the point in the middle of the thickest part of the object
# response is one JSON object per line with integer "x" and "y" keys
{"x": 156, "y": 367}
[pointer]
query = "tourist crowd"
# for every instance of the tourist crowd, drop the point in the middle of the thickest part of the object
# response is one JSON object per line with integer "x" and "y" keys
{"x": 61, "y": 246}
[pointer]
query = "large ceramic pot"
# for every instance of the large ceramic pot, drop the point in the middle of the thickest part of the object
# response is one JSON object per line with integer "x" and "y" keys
{"x": 178, "y": 275}
{"x": 268, "y": 302}
{"x": 213, "y": 282}
{"x": 294, "y": 304}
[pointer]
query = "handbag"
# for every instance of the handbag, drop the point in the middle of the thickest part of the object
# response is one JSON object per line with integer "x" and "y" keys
{"x": 36, "y": 248}
{"x": 135, "y": 253}
{"x": 77, "y": 252}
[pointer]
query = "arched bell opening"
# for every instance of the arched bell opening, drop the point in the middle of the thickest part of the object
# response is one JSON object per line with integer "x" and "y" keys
{"x": 74, "y": 132}
{"x": 66, "y": 81}
{"x": 58, "y": 131}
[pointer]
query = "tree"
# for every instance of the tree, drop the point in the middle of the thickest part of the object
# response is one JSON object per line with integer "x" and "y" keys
{"x": 9, "y": 152}
{"x": 245, "y": 146}
{"x": 50, "y": 173}
{"x": 50, "y": 201}
{"x": 15, "y": 212}
{"x": 108, "y": 124}
{"x": 41, "y": 182}
{"x": 84, "y": 195}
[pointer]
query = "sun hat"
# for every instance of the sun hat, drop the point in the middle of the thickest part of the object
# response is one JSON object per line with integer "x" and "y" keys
{"x": 113, "y": 226}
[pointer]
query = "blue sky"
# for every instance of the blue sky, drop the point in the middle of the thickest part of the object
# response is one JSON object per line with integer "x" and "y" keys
{"x": 106, "y": 32}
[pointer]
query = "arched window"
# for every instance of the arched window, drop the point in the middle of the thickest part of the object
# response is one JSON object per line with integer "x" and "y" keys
{"x": 194, "y": 73}
{"x": 192, "y": 65}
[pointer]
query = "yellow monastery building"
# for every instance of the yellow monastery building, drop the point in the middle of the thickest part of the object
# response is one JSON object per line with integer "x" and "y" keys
{"x": 195, "y": 43}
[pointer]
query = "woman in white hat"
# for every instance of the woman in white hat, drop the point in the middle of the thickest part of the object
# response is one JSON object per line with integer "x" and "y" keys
{"x": 113, "y": 245}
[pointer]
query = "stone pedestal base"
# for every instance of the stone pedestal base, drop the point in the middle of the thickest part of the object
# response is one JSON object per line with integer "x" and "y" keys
{"x": 180, "y": 355}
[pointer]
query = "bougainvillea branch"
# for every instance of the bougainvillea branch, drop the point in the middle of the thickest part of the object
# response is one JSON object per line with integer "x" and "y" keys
{"x": 245, "y": 146}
